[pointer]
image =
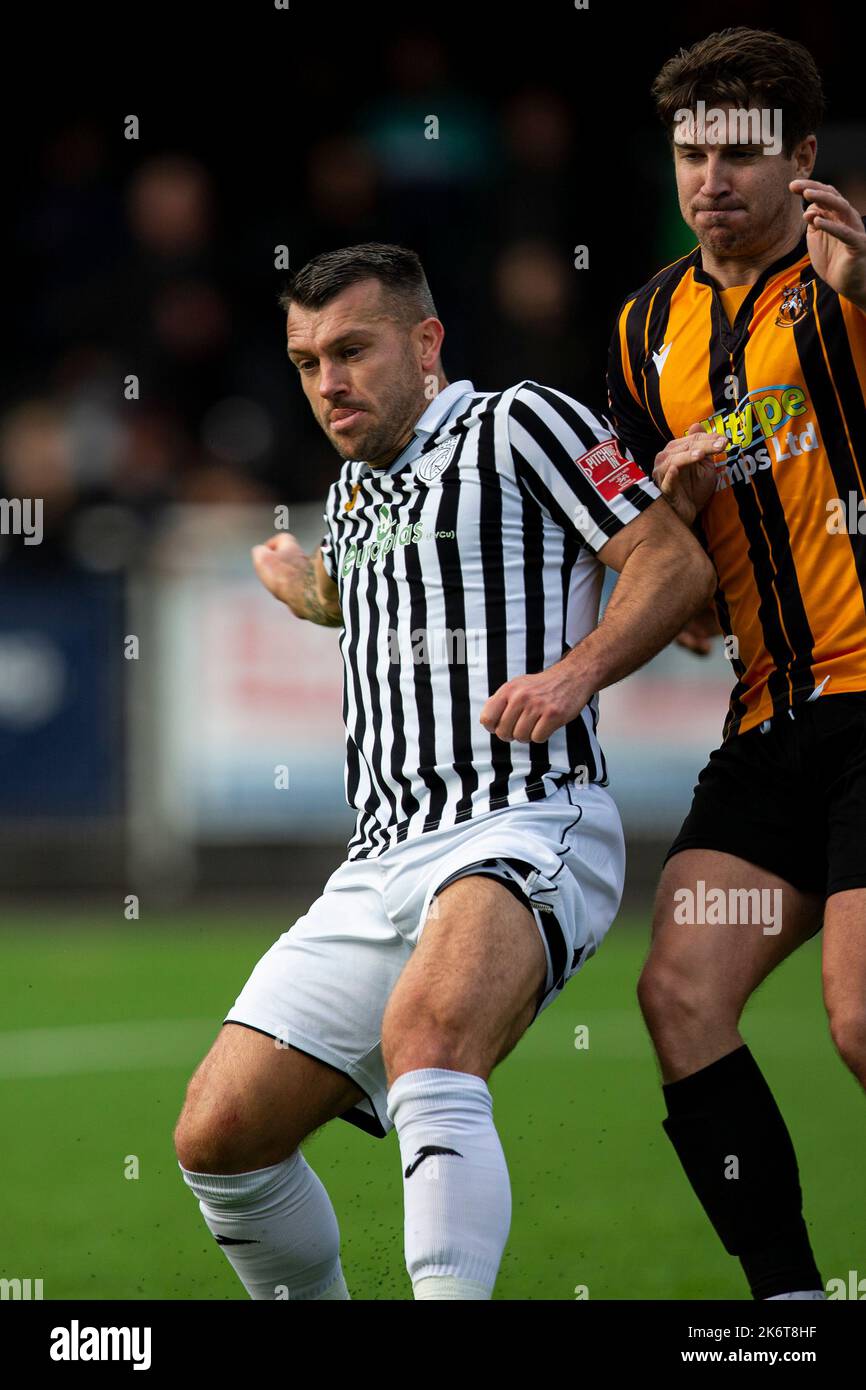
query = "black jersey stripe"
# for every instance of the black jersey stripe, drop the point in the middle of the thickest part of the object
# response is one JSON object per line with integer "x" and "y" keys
{"x": 534, "y": 628}
{"x": 736, "y": 706}
{"x": 659, "y": 317}
{"x": 376, "y": 648}
{"x": 794, "y": 677}
{"x": 409, "y": 803}
{"x": 495, "y": 610}
{"x": 836, "y": 423}
{"x": 351, "y": 678}
{"x": 848, "y": 385}
{"x": 455, "y": 622}
{"x": 423, "y": 685}
{"x": 722, "y": 370}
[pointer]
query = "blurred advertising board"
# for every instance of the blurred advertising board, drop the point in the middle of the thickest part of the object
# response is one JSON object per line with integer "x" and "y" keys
{"x": 61, "y": 703}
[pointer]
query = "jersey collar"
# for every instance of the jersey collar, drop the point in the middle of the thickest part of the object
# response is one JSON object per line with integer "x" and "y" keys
{"x": 441, "y": 406}
{"x": 733, "y": 334}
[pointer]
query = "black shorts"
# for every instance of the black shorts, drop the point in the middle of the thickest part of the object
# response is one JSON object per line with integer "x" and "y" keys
{"x": 790, "y": 796}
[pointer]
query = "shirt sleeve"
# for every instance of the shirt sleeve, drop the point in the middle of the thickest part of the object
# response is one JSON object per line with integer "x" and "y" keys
{"x": 572, "y": 463}
{"x": 631, "y": 421}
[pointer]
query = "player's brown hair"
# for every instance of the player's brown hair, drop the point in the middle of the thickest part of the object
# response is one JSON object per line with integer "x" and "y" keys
{"x": 744, "y": 68}
{"x": 397, "y": 269}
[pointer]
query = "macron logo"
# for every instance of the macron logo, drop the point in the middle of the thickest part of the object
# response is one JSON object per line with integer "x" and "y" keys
{"x": 76, "y": 1343}
{"x": 660, "y": 358}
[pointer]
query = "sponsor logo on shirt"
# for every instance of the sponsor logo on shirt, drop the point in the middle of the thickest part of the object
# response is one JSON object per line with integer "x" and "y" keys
{"x": 756, "y": 429}
{"x": 390, "y": 535}
{"x": 607, "y": 470}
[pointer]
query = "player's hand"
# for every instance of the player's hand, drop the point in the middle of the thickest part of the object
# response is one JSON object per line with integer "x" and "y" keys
{"x": 528, "y": 709}
{"x": 698, "y": 633}
{"x": 835, "y": 238}
{"x": 280, "y": 563}
{"x": 685, "y": 470}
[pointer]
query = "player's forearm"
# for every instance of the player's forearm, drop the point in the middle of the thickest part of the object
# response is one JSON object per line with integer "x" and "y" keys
{"x": 302, "y": 596}
{"x": 658, "y": 591}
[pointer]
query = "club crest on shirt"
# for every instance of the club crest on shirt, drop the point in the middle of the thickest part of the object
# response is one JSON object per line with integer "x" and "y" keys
{"x": 793, "y": 307}
{"x": 432, "y": 465}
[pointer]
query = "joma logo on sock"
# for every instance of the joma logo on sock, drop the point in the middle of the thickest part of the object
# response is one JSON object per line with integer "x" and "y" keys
{"x": 427, "y": 1152}
{"x": 76, "y": 1343}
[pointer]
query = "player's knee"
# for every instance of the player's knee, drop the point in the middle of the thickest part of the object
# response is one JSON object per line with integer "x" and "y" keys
{"x": 213, "y": 1138}
{"x": 848, "y": 1029}
{"x": 418, "y": 1033}
{"x": 198, "y": 1145}
{"x": 672, "y": 1003}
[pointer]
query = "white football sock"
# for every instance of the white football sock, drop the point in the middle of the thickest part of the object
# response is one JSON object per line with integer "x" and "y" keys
{"x": 283, "y": 1223}
{"x": 455, "y": 1183}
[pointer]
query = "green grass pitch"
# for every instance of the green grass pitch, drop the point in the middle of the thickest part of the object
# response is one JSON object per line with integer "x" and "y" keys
{"x": 103, "y": 1021}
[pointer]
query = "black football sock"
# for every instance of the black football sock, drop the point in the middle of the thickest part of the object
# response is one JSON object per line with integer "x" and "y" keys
{"x": 737, "y": 1154}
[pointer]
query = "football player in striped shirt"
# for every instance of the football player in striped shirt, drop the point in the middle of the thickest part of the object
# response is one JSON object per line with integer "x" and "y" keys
{"x": 467, "y": 534}
{"x": 757, "y": 341}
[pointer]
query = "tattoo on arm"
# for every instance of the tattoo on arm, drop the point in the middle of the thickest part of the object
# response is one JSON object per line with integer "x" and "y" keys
{"x": 316, "y": 611}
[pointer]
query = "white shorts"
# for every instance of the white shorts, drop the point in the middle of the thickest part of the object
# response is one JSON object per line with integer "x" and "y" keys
{"x": 323, "y": 985}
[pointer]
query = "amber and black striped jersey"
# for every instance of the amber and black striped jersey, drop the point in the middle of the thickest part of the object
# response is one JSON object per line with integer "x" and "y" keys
{"x": 786, "y": 526}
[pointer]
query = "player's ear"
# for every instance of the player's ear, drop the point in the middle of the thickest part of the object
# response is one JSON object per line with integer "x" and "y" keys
{"x": 805, "y": 154}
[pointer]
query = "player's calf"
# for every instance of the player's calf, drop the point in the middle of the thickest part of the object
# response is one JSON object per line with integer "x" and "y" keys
{"x": 463, "y": 1000}
{"x": 844, "y": 976}
{"x": 248, "y": 1107}
{"x": 722, "y": 1118}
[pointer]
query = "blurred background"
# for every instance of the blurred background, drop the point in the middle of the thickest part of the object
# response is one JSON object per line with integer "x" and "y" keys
{"x": 148, "y": 686}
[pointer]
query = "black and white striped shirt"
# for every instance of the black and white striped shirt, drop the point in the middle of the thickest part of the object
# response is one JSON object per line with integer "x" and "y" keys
{"x": 468, "y": 561}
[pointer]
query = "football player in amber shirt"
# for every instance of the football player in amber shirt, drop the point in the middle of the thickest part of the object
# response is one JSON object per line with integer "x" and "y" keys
{"x": 737, "y": 380}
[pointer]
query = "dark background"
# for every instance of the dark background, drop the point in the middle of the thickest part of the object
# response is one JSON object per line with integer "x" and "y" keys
{"x": 305, "y": 128}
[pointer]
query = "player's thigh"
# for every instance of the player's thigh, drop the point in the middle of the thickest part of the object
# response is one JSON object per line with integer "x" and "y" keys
{"x": 470, "y": 989}
{"x": 844, "y": 972}
{"x": 253, "y": 1097}
{"x": 720, "y": 926}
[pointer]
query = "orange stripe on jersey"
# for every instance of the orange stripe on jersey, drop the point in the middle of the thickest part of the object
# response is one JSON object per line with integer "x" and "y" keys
{"x": 623, "y": 353}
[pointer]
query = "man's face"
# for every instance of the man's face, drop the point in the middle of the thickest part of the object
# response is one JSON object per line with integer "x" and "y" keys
{"x": 735, "y": 197}
{"x": 362, "y": 371}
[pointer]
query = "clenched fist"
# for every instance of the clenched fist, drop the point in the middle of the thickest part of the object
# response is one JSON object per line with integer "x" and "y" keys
{"x": 281, "y": 565}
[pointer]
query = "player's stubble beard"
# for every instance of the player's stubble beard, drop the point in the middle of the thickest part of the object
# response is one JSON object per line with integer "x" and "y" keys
{"x": 756, "y": 238}
{"x": 399, "y": 405}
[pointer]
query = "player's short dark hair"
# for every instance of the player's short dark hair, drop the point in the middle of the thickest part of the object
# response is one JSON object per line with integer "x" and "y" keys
{"x": 744, "y": 68}
{"x": 397, "y": 269}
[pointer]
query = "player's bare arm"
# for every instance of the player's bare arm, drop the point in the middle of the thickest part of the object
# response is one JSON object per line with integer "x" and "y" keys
{"x": 685, "y": 473}
{"x": 835, "y": 239}
{"x": 298, "y": 580}
{"x": 665, "y": 578}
